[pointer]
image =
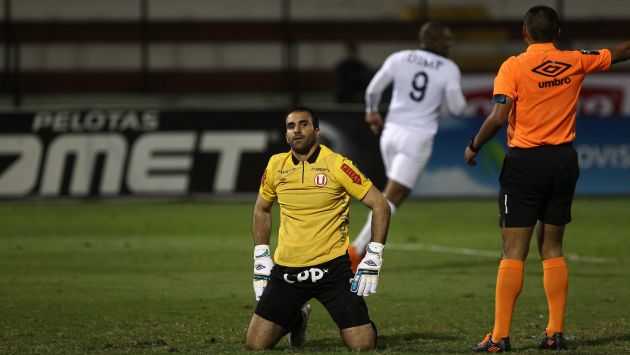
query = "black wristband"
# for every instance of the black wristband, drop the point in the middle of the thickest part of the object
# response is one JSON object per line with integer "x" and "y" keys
{"x": 471, "y": 146}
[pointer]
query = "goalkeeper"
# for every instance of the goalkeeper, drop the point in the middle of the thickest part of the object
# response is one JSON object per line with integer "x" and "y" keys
{"x": 313, "y": 186}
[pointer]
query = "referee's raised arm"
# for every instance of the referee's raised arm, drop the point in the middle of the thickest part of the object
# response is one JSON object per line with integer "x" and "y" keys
{"x": 620, "y": 52}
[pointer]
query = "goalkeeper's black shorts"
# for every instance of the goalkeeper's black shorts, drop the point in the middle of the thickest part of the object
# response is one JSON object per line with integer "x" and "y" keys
{"x": 289, "y": 288}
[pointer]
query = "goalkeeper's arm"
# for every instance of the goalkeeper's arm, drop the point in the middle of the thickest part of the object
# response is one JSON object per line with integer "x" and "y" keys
{"x": 261, "y": 231}
{"x": 366, "y": 278}
{"x": 375, "y": 200}
{"x": 261, "y": 221}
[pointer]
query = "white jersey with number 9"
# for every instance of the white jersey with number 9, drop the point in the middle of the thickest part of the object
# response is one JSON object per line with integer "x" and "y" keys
{"x": 423, "y": 81}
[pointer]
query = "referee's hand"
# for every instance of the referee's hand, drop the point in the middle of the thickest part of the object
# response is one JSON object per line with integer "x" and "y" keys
{"x": 469, "y": 157}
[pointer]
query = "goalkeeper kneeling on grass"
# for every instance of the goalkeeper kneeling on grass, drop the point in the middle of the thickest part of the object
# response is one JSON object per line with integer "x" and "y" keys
{"x": 313, "y": 186}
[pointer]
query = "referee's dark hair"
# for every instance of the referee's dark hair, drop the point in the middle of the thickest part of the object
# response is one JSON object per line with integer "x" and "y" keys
{"x": 314, "y": 116}
{"x": 542, "y": 23}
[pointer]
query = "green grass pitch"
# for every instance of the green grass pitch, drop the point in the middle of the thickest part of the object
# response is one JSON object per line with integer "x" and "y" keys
{"x": 160, "y": 277}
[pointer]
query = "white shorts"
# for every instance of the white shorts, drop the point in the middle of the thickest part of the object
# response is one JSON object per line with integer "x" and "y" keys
{"x": 405, "y": 153}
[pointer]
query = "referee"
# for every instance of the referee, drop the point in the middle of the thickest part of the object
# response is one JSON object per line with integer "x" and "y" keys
{"x": 313, "y": 186}
{"x": 536, "y": 92}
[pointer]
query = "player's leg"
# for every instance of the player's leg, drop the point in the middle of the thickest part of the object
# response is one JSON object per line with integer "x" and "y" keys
{"x": 263, "y": 334}
{"x": 508, "y": 287}
{"x": 519, "y": 207}
{"x": 510, "y": 277}
{"x": 348, "y": 310}
{"x": 396, "y": 193}
{"x": 549, "y": 238}
{"x": 556, "y": 283}
{"x": 520, "y": 201}
{"x": 362, "y": 337}
{"x": 557, "y": 215}
{"x": 405, "y": 156}
{"x": 278, "y": 312}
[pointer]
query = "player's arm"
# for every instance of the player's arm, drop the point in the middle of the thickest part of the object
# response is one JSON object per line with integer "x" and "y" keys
{"x": 373, "y": 93}
{"x": 366, "y": 278}
{"x": 454, "y": 99}
{"x": 375, "y": 200}
{"x": 455, "y": 102}
{"x": 620, "y": 52}
{"x": 261, "y": 231}
{"x": 493, "y": 123}
{"x": 261, "y": 222}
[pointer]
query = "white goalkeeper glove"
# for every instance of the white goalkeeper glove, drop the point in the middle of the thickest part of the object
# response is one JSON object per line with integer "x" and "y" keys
{"x": 366, "y": 278}
{"x": 262, "y": 268}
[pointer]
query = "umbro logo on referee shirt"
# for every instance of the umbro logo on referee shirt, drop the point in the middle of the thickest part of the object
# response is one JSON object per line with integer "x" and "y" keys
{"x": 551, "y": 68}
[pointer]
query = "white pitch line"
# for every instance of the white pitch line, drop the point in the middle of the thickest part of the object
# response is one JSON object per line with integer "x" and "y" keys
{"x": 488, "y": 253}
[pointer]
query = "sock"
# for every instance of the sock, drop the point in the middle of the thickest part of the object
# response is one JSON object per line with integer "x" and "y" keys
{"x": 296, "y": 321}
{"x": 509, "y": 285}
{"x": 556, "y": 282}
{"x": 365, "y": 235}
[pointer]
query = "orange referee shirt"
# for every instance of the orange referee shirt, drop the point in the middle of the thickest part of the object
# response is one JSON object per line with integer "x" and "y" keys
{"x": 544, "y": 84}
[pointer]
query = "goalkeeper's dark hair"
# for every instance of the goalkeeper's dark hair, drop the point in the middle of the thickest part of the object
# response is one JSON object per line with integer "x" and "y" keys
{"x": 542, "y": 23}
{"x": 314, "y": 117}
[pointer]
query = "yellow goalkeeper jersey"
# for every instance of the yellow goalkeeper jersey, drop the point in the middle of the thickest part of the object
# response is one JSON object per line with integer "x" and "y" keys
{"x": 314, "y": 198}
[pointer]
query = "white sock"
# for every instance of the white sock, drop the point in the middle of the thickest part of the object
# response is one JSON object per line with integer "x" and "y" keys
{"x": 364, "y": 237}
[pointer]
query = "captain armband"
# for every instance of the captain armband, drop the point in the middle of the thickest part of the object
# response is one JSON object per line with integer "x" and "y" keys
{"x": 499, "y": 99}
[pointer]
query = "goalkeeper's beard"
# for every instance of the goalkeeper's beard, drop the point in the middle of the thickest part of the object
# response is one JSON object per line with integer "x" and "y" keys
{"x": 303, "y": 146}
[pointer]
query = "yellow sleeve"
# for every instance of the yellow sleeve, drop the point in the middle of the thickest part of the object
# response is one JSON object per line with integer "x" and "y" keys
{"x": 351, "y": 178}
{"x": 267, "y": 188}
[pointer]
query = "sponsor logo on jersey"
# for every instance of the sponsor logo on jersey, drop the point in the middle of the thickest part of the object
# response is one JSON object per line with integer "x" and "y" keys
{"x": 320, "y": 180}
{"x": 264, "y": 178}
{"x": 551, "y": 68}
{"x": 554, "y": 82}
{"x": 589, "y": 51}
{"x": 311, "y": 275}
{"x": 356, "y": 178}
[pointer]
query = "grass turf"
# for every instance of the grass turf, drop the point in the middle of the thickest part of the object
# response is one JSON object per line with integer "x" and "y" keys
{"x": 160, "y": 277}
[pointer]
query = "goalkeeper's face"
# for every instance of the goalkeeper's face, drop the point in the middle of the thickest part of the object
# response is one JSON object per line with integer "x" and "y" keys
{"x": 301, "y": 134}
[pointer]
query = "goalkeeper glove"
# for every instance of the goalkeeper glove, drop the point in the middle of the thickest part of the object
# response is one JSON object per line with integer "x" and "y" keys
{"x": 262, "y": 268}
{"x": 366, "y": 278}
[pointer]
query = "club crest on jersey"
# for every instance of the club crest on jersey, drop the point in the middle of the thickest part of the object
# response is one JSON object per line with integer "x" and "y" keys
{"x": 356, "y": 178}
{"x": 320, "y": 180}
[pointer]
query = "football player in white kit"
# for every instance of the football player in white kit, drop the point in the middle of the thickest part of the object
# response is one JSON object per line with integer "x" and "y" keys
{"x": 424, "y": 81}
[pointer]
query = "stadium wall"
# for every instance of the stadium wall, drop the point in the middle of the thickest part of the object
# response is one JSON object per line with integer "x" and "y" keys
{"x": 136, "y": 152}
